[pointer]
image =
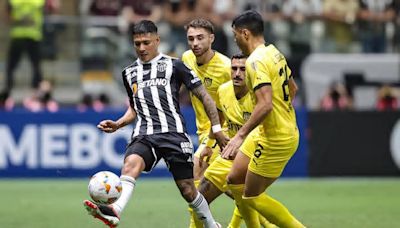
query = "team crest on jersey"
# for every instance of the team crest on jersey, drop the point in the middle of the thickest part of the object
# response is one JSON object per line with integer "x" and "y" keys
{"x": 161, "y": 66}
{"x": 207, "y": 81}
{"x": 246, "y": 116}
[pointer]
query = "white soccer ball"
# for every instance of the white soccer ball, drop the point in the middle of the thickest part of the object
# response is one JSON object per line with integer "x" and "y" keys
{"x": 105, "y": 187}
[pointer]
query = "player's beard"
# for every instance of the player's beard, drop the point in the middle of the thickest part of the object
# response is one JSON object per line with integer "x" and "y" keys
{"x": 242, "y": 46}
{"x": 202, "y": 52}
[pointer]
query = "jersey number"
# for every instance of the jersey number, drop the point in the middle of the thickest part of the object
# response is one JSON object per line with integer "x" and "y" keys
{"x": 285, "y": 86}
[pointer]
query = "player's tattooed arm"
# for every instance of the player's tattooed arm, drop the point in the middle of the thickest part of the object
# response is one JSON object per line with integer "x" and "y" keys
{"x": 208, "y": 103}
{"x": 212, "y": 113}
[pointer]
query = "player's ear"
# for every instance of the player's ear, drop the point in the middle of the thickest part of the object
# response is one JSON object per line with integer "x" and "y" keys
{"x": 246, "y": 33}
{"x": 212, "y": 38}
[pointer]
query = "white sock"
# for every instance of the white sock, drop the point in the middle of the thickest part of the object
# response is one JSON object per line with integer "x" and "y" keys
{"x": 202, "y": 211}
{"x": 128, "y": 185}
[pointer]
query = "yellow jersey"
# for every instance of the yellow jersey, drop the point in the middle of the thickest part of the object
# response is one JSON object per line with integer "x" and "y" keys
{"x": 267, "y": 66}
{"x": 212, "y": 74}
{"x": 236, "y": 112}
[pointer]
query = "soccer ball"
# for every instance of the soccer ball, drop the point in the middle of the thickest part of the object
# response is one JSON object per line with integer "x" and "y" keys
{"x": 105, "y": 187}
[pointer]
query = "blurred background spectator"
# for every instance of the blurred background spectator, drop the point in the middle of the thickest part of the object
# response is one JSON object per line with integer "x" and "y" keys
{"x": 374, "y": 16}
{"x": 336, "y": 98}
{"x": 26, "y": 21}
{"x": 339, "y": 16}
{"x": 41, "y": 99}
{"x": 216, "y": 12}
{"x": 300, "y": 14}
{"x": 100, "y": 7}
{"x": 177, "y": 13}
{"x": 6, "y": 103}
{"x": 387, "y": 100}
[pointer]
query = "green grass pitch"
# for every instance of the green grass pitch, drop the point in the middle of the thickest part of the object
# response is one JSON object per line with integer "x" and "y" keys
{"x": 331, "y": 202}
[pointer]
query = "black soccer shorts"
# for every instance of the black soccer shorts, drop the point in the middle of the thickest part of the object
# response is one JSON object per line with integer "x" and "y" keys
{"x": 175, "y": 148}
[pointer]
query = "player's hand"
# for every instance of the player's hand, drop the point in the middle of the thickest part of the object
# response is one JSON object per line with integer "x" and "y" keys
{"x": 108, "y": 126}
{"x": 205, "y": 153}
{"x": 231, "y": 148}
{"x": 229, "y": 156}
{"x": 221, "y": 138}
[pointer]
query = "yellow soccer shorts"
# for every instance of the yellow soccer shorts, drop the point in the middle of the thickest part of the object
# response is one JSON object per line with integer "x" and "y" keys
{"x": 270, "y": 157}
{"x": 219, "y": 169}
{"x": 249, "y": 145}
{"x": 212, "y": 143}
{"x": 217, "y": 172}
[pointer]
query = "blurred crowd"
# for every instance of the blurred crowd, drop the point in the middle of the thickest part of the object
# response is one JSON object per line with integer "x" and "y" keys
{"x": 296, "y": 27}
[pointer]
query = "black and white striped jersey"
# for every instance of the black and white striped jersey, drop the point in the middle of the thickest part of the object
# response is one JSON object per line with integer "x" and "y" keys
{"x": 153, "y": 90}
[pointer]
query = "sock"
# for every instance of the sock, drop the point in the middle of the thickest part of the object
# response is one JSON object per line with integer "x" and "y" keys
{"x": 202, "y": 211}
{"x": 128, "y": 184}
{"x": 249, "y": 215}
{"x": 194, "y": 221}
{"x": 236, "y": 219}
{"x": 272, "y": 210}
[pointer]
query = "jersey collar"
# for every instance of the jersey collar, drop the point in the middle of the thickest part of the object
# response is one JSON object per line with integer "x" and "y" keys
{"x": 155, "y": 59}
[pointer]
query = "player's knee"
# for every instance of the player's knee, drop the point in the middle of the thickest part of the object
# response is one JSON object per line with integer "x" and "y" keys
{"x": 133, "y": 165}
{"x": 198, "y": 172}
{"x": 205, "y": 189}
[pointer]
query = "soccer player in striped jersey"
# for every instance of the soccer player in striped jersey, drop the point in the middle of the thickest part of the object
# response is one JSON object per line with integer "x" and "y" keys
{"x": 272, "y": 88}
{"x": 213, "y": 69}
{"x": 152, "y": 83}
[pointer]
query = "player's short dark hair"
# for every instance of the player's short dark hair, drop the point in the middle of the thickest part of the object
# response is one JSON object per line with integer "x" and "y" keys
{"x": 200, "y": 23}
{"x": 250, "y": 20}
{"x": 238, "y": 56}
{"x": 143, "y": 27}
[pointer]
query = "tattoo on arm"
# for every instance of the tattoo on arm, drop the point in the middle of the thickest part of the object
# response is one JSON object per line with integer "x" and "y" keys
{"x": 208, "y": 103}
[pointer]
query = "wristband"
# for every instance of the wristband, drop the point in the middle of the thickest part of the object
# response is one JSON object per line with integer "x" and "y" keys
{"x": 216, "y": 128}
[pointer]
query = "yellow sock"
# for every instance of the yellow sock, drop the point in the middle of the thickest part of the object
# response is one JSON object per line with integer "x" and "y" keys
{"x": 236, "y": 219}
{"x": 194, "y": 222}
{"x": 265, "y": 223}
{"x": 272, "y": 210}
{"x": 249, "y": 215}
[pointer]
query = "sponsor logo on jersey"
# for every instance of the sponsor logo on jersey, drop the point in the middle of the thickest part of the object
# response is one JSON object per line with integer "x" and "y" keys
{"x": 152, "y": 82}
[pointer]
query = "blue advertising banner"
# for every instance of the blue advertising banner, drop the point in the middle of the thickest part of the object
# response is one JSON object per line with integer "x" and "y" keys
{"x": 298, "y": 164}
{"x": 68, "y": 144}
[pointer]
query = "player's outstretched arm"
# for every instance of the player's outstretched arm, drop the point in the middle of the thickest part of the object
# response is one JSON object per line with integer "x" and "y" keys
{"x": 110, "y": 126}
{"x": 212, "y": 113}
